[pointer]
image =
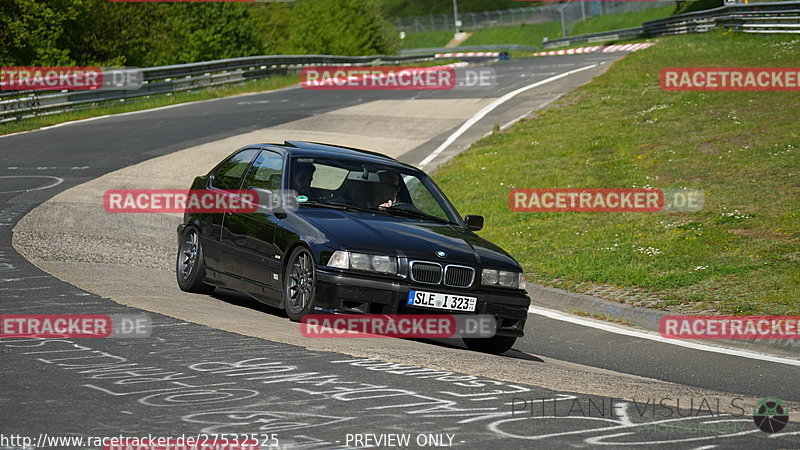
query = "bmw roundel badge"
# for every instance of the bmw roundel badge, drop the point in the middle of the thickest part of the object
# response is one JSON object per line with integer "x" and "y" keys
{"x": 441, "y": 254}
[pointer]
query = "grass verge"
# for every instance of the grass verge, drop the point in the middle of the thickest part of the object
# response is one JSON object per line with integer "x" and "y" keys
{"x": 532, "y": 34}
{"x": 607, "y": 318}
{"x": 525, "y": 34}
{"x": 619, "y": 21}
{"x": 428, "y": 39}
{"x": 740, "y": 255}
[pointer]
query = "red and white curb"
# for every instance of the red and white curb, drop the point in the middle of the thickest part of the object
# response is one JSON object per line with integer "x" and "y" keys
{"x": 598, "y": 48}
{"x": 468, "y": 54}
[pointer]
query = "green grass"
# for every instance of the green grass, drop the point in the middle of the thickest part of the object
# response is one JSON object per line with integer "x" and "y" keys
{"x": 428, "y": 39}
{"x": 740, "y": 255}
{"x": 619, "y": 21}
{"x": 138, "y": 104}
{"x": 532, "y": 34}
{"x": 525, "y": 34}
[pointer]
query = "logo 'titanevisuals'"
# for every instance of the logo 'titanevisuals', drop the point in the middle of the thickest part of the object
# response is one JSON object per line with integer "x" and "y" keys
{"x": 770, "y": 415}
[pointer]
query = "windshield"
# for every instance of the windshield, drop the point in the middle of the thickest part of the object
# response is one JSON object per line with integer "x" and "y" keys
{"x": 369, "y": 186}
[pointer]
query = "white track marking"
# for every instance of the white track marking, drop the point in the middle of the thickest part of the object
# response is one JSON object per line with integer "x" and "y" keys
{"x": 91, "y": 119}
{"x": 56, "y": 183}
{"x": 552, "y": 314}
{"x": 622, "y": 412}
{"x": 489, "y": 108}
{"x": 47, "y": 168}
{"x": 10, "y": 280}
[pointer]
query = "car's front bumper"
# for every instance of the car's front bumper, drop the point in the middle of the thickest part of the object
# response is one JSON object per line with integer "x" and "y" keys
{"x": 351, "y": 293}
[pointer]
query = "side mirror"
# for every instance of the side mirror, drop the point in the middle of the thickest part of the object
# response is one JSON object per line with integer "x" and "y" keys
{"x": 474, "y": 223}
{"x": 269, "y": 200}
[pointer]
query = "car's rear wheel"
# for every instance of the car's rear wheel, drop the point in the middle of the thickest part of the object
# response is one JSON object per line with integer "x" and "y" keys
{"x": 299, "y": 284}
{"x": 190, "y": 266}
{"x": 494, "y": 344}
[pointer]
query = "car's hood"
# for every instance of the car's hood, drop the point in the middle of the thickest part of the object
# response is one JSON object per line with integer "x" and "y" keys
{"x": 416, "y": 239}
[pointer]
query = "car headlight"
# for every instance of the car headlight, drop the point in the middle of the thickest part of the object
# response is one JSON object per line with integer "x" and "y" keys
{"x": 501, "y": 278}
{"x": 489, "y": 277}
{"x": 384, "y": 264}
{"x": 361, "y": 261}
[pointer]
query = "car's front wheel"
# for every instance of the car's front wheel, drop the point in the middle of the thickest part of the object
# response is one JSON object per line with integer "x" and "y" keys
{"x": 299, "y": 284}
{"x": 190, "y": 266}
{"x": 494, "y": 344}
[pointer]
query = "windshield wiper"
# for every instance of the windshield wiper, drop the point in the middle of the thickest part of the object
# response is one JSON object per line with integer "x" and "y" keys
{"x": 334, "y": 205}
{"x": 409, "y": 213}
{"x": 398, "y": 212}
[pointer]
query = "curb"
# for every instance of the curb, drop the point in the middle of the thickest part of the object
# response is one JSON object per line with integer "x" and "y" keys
{"x": 468, "y": 54}
{"x": 647, "y": 319}
{"x": 599, "y": 48}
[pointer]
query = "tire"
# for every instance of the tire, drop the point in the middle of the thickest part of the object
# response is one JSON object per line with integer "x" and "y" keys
{"x": 494, "y": 344}
{"x": 190, "y": 267}
{"x": 299, "y": 284}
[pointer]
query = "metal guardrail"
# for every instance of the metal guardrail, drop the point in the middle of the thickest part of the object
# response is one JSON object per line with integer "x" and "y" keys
{"x": 775, "y": 17}
{"x": 468, "y": 48}
{"x": 768, "y": 17}
{"x": 604, "y": 36}
{"x": 16, "y": 105}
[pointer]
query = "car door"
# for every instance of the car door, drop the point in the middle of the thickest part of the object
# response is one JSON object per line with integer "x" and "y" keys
{"x": 227, "y": 176}
{"x": 251, "y": 235}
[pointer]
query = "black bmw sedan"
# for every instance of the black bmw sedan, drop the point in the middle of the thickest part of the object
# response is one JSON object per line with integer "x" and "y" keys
{"x": 343, "y": 230}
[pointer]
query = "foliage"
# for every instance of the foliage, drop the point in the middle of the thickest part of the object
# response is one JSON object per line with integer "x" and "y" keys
{"x": 144, "y": 34}
{"x": 698, "y": 5}
{"x": 402, "y": 8}
{"x": 340, "y": 27}
{"x": 31, "y": 31}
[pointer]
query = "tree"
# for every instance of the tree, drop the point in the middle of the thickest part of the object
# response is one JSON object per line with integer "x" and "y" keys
{"x": 273, "y": 27}
{"x": 340, "y": 27}
{"x": 206, "y": 31}
{"x": 115, "y": 34}
{"x": 31, "y": 31}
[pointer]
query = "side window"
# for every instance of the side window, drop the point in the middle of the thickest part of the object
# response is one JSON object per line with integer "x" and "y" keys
{"x": 265, "y": 173}
{"x": 229, "y": 174}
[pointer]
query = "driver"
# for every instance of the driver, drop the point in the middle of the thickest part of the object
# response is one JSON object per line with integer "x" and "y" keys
{"x": 301, "y": 178}
{"x": 385, "y": 192}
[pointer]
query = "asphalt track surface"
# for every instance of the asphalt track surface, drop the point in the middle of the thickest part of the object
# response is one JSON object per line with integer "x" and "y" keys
{"x": 191, "y": 379}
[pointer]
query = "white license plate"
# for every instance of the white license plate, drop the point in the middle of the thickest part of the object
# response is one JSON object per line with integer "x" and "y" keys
{"x": 441, "y": 301}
